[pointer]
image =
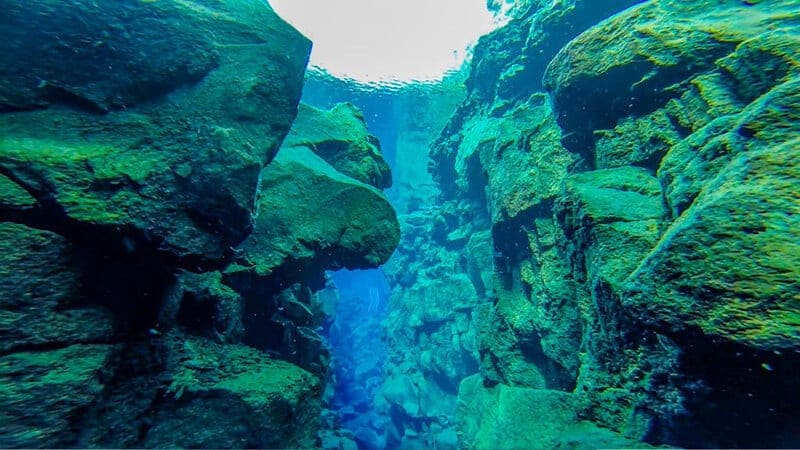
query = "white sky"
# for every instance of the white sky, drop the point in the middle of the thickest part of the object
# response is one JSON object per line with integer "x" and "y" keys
{"x": 388, "y": 40}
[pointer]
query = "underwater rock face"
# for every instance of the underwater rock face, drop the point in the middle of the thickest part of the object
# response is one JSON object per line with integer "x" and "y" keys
{"x": 312, "y": 218}
{"x": 340, "y": 137}
{"x": 146, "y": 144}
{"x": 630, "y": 66}
{"x": 265, "y": 402}
{"x": 132, "y": 169}
{"x": 43, "y": 390}
{"x": 642, "y": 229}
{"x": 431, "y": 330}
{"x": 492, "y": 417}
{"x": 728, "y": 267}
{"x": 42, "y": 302}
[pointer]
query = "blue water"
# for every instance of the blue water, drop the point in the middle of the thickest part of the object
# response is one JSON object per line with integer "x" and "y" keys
{"x": 358, "y": 353}
{"x": 355, "y": 335}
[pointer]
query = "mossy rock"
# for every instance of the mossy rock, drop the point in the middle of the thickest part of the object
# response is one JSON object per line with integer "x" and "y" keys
{"x": 527, "y": 161}
{"x": 141, "y": 145}
{"x": 43, "y": 393}
{"x": 312, "y": 218}
{"x": 766, "y": 122}
{"x": 637, "y": 141}
{"x": 340, "y": 137}
{"x": 548, "y": 283}
{"x": 42, "y": 300}
{"x": 599, "y": 207}
{"x": 15, "y": 199}
{"x": 518, "y": 156}
{"x": 480, "y": 257}
{"x": 201, "y": 304}
{"x": 113, "y": 56}
{"x": 631, "y": 64}
{"x": 505, "y": 417}
{"x": 729, "y": 265}
{"x": 244, "y": 398}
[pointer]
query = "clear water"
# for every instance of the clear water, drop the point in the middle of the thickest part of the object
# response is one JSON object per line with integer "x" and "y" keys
{"x": 590, "y": 238}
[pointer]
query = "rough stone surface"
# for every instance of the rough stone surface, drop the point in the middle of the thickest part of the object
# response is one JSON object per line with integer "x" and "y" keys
{"x": 431, "y": 329}
{"x": 131, "y": 172}
{"x": 642, "y": 229}
{"x": 311, "y": 218}
{"x": 729, "y": 265}
{"x": 42, "y": 303}
{"x": 146, "y": 144}
{"x": 492, "y": 417}
{"x": 340, "y": 137}
{"x": 267, "y": 403}
{"x": 43, "y": 391}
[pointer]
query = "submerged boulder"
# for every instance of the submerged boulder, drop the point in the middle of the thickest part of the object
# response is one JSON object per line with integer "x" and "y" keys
{"x": 684, "y": 282}
{"x": 44, "y": 391}
{"x": 312, "y": 218}
{"x": 133, "y": 143}
{"x": 55, "y": 344}
{"x": 42, "y": 301}
{"x": 516, "y": 417}
{"x": 634, "y": 63}
{"x": 133, "y": 135}
{"x": 340, "y": 137}
{"x": 254, "y": 401}
{"x": 642, "y": 228}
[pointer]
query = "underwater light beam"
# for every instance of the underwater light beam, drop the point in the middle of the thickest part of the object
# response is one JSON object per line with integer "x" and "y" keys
{"x": 388, "y": 40}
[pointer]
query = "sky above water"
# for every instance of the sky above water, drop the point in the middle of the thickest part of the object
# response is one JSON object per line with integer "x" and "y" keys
{"x": 388, "y": 40}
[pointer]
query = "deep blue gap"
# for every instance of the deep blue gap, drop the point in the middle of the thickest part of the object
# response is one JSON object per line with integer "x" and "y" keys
{"x": 354, "y": 333}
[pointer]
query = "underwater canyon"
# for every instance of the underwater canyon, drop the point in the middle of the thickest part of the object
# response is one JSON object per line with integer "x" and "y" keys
{"x": 587, "y": 237}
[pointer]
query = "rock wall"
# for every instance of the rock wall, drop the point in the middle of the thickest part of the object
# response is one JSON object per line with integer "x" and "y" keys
{"x": 618, "y": 200}
{"x": 160, "y": 255}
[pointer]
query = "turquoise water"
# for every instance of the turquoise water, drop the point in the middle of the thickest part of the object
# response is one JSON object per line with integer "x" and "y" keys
{"x": 586, "y": 237}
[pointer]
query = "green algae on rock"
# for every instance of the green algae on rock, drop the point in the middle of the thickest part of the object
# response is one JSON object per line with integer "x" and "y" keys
{"x": 42, "y": 302}
{"x": 130, "y": 172}
{"x": 643, "y": 265}
{"x": 170, "y": 152}
{"x": 42, "y": 391}
{"x": 340, "y": 137}
{"x": 266, "y": 403}
{"x": 634, "y": 63}
{"x": 493, "y": 417}
{"x": 728, "y": 266}
{"x": 312, "y": 218}
{"x": 608, "y": 258}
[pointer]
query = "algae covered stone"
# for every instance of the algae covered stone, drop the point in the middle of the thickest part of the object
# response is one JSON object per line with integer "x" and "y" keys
{"x": 729, "y": 265}
{"x": 146, "y": 144}
{"x": 43, "y": 393}
{"x": 340, "y": 137}
{"x": 42, "y": 300}
{"x": 312, "y": 218}
{"x": 254, "y": 401}
{"x": 525, "y": 418}
{"x": 631, "y": 63}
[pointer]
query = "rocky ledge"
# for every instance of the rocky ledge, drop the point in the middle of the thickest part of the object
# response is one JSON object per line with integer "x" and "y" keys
{"x": 161, "y": 252}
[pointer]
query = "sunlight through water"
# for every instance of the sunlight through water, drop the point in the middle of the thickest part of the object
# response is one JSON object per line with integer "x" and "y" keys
{"x": 392, "y": 43}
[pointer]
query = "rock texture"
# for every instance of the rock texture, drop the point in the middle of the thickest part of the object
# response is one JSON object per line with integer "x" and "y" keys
{"x": 619, "y": 193}
{"x": 143, "y": 211}
{"x": 334, "y": 221}
{"x": 168, "y": 152}
{"x": 340, "y": 137}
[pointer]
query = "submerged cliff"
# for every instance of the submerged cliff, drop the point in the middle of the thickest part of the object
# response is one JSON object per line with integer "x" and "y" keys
{"x": 161, "y": 251}
{"x": 612, "y": 256}
{"x": 597, "y": 246}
